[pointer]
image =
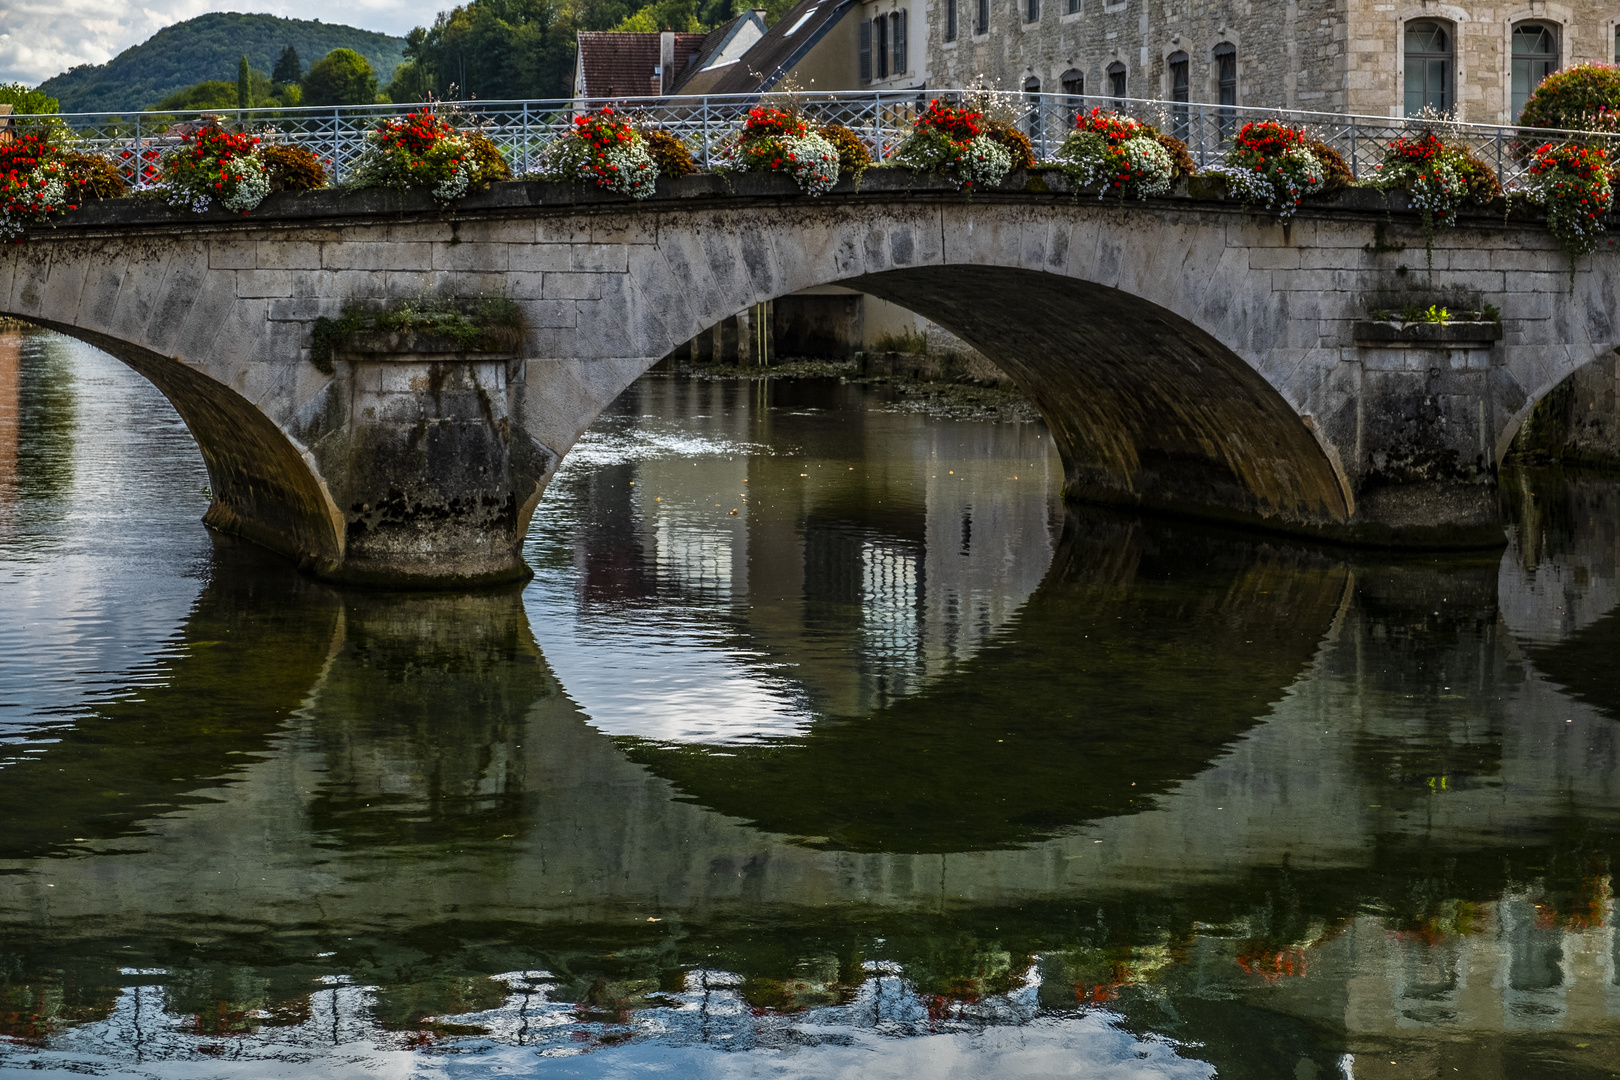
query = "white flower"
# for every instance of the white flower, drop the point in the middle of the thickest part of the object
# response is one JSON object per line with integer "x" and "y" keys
{"x": 1153, "y": 161}
{"x": 985, "y": 163}
{"x": 250, "y": 188}
{"x": 635, "y": 173}
{"x": 813, "y": 162}
{"x": 454, "y": 186}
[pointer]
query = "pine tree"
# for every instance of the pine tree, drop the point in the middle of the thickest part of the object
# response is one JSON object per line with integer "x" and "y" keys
{"x": 289, "y": 69}
{"x": 244, "y": 84}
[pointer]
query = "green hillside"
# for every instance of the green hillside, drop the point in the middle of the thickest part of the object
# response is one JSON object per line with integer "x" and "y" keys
{"x": 209, "y": 47}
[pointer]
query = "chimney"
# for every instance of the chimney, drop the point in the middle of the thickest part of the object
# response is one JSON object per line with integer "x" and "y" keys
{"x": 666, "y": 60}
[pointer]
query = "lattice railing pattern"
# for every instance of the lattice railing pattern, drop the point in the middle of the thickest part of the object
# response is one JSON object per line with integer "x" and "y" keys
{"x": 523, "y": 128}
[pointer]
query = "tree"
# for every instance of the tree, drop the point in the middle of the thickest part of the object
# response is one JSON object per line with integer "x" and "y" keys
{"x": 341, "y": 77}
{"x": 26, "y": 102}
{"x": 289, "y": 69}
{"x": 244, "y": 84}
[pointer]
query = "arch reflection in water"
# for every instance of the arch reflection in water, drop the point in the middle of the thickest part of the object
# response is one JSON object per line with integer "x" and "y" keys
{"x": 393, "y": 831}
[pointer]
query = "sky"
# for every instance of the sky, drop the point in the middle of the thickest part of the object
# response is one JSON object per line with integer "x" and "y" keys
{"x": 41, "y": 38}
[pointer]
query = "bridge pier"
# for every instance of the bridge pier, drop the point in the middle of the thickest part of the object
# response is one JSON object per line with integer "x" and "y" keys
{"x": 433, "y": 475}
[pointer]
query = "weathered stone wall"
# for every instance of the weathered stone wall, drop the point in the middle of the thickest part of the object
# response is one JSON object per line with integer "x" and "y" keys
{"x": 1188, "y": 354}
{"x": 1326, "y": 55}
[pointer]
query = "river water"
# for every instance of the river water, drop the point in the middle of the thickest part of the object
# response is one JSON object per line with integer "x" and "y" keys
{"x": 826, "y": 742}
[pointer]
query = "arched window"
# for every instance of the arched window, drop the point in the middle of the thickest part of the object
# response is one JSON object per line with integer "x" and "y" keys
{"x": 1032, "y": 10}
{"x": 950, "y": 20}
{"x": 1073, "y": 82}
{"x": 1180, "y": 92}
{"x": 982, "y": 23}
{"x": 1428, "y": 67}
{"x": 897, "y": 27}
{"x": 1535, "y": 56}
{"x": 1032, "y": 98}
{"x": 1116, "y": 81}
{"x": 1226, "y": 88}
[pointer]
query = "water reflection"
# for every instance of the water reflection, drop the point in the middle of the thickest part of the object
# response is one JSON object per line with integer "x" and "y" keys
{"x": 1174, "y": 803}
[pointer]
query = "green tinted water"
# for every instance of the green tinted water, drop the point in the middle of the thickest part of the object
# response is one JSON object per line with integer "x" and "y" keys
{"x": 899, "y": 770}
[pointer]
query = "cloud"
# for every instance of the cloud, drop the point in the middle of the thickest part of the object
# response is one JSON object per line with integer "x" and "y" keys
{"x": 41, "y": 38}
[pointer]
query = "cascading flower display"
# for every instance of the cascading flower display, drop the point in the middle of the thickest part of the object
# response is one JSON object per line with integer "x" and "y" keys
{"x": 1574, "y": 185}
{"x": 423, "y": 151}
{"x": 778, "y": 140}
{"x": 953, "y": 143}
{"x": 1271, "y": 165}
{"x": 34, "y": 185}
{"x": 1116, "y": 154}
{"x": 1438, "y": 177}
{"x": 212, "y": 166}
{"x": 605, "y": 149}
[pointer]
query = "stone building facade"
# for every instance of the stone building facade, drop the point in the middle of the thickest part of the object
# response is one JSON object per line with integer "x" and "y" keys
{"x": 1356, "y": 56}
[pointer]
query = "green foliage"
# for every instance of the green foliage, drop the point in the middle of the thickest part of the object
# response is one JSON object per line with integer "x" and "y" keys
{"x": 91, "y": 176}
{"x": 209, "y": 47}
{"x": 480, "y": 324}
{"x": 292, "y": 168}
{"x": 853, "y": 156}
{"x": 669, "y": 152}
{"x": 26, "y": 102}
{"x": 289, "y": 67}
{"x": 341, "y": 77}
{"x": 244, "y": 84}
{"x": 211, "y": 95}
{"x": 1579, "y": 98}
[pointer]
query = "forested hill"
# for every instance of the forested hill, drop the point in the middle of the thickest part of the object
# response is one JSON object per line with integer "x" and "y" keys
{"x": 209, "y": 47}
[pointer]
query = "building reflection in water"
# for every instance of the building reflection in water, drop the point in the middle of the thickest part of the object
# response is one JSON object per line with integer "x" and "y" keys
{"x": 10, "y": 410}
{"x": 838, "y": 565}
{"x": 1306, "y": 813}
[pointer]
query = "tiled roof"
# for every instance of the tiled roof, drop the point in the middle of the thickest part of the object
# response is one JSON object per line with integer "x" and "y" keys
{"x": 626, "y": 65}
{"x": 773, "y": 55}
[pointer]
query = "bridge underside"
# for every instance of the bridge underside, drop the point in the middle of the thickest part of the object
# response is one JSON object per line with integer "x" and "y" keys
{"x": 1148, "y": 410}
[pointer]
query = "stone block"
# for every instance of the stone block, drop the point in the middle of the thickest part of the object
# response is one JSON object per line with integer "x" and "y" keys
{"x": 263, "y": 283}
{"x": 232, "y": 255}
{"x": 1273, "y": 258}
{"x": 485, "y": 258}
{"x": 300, "y": 309}
{"x": 287, "y": 255}
{"x": 532, "y": 258}
{"x": 571, "y": 286}
{"x": 378, "y": 256}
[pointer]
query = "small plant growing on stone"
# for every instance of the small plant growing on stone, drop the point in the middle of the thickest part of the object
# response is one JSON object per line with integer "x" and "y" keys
{"x": 480, "y": 324}
{"x": 780, "y": 140}
{"x": 952, "y": 143}
{"x": 605, "y": 149}
{"x": 1116, "y": 155}
{"x": 34, "y": 185}
{"x": 214, "y": 167}
{"x": 1271, "y": 165}
{"x": 424, "y": 151}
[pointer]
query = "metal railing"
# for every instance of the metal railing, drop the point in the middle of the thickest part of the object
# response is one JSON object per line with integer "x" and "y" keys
{"x": 522, "y": 129}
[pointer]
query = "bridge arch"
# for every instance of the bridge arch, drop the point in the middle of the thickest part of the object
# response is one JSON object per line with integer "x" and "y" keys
{"x": 1188, "y": 355}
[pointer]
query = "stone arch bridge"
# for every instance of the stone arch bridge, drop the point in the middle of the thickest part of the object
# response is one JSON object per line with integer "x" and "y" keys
{"x": 1189, "y": 355}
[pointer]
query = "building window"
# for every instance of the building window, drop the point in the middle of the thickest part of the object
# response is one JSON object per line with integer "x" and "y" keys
{"x": 1032, "y": 10}
{"x": 897, "y": 25}
{"x": 1180, "y": 92}
{"x": 1032, "y": 100}
{"x": 866, "y": 51}
{"x": 1116, "y": 81}
{"x": 1226, "y": 86}
{"x": 880, "y": 47}
{"x": 1535, "y": 56}
{"x": 981, "y": 25}
{"x": 1074, "y": 88}
{"x": 950, "y": 20}
{"x": 1226, "y": 89}
{"x": 1074, "y": 6}
{"x": 1428, "y": 67}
